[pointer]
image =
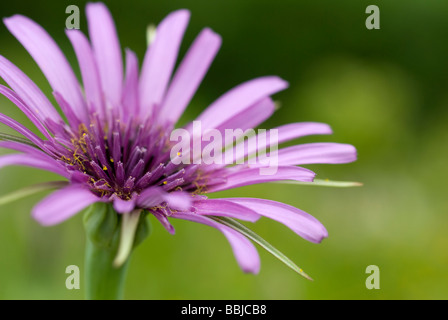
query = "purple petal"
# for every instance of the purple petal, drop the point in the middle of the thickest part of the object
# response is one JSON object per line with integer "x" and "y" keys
{"x": 107, "y": 50}
{"x": 50, "y": 59}
{"x": 73, "y": 120}
{"x": 63, "y": 204}
{"x": 150, "y": 197}
{"x": 297, "y": 220}
{"x": 284, "y": 133}
{"x": 31, "y": 151}
{"x": 34, "y": 162}
{"x": 311, "y": 153}
{"x": 245, "y": 252}
{"x": 164, "y": 221}
{"x": 22, "y": 130}
{"x": 88, "y": 67}
{"x": 28, "y": 91}
{"x": 123, "y": 206}
{"x": 189, "y": 75}
{"x": 225, "y": 208}
{"x": 296, "y": 130}
{"x": 238, "y": 99}
{"x": 248, "y": 176}
{"x": 14, "y": 98}
{"x": 178, "y": 200}
{"x": 130, "y": 94}
{"x": 250, "y": 117}
{"x": 160, "y": 59}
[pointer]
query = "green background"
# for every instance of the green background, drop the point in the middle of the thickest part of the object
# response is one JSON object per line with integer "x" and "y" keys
{"x": 384, "y": 91}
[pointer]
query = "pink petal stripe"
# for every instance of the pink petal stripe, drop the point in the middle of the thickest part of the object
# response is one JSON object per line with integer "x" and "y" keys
{"x": 218, "y": 207}
{"x": 160, "y": 59}
{"x": 245, "y": 252}
{"x": 107, "y": 51}
{"x": 238, "y": 99}
{"x": 311, "y": 153}
{"x": 189, "y": 75}
{"x": 285, "y": 133}
{"x": 13, "y": 124}
{"x": 251, "y": 117}
{"x": 32, "y": 151}
{"x": 297, "y": 220}
{"x": 130, "y": 94}
{"x": 28, "y": 91}
{"x": 34, "y": 162}
{"x": 89, "y": 70}
{"x": 249, "y": 176}
{"x": 50, "y": 59}
{"x": 14, "y": 98}
{"x": 63, "y": 204}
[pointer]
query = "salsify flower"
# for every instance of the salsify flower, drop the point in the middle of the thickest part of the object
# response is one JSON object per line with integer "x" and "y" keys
{"x": 114, "y": 144}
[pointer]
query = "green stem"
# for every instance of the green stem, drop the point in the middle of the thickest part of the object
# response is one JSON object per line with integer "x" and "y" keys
{"x": 110, "y": 240}
{"x": 104, "y": 281}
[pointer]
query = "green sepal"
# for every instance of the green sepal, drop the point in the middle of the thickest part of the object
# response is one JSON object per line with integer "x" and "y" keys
{"x": 101, "y": 223}
{"x": 143, "y": 229}
{"x": 104, "y": 226}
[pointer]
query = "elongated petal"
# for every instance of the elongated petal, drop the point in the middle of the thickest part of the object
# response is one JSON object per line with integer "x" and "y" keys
{"x": 189, "y": 75}
{"x": 250, "y": 117}
{"x": 25, "y": 148}
{"x": 34, "y": 162}
{"x": 218, "y": 207}
{"x": 130, "y": 94}
{"x": 238, "y": 99}
{"x": 297, "y": 220}
{"x": 50, "y": 59}
{"x": 28, "y": 91}
{"x": 301, "y": 129}
{"x": 164, "y": 221}
{"x": 14, "y": 98}
{"x": 250, "y": 176}
{"x": 89, "y": 69}
{"x": 22, "y": 130}
{"x": 63, "y": 204}
{"x": 160, "y": 59}
{"x": 245, "y": 252}
{"x": 106, "y": 47}
{"x": 284, "y": 133}
{"x": 317, "y": 153}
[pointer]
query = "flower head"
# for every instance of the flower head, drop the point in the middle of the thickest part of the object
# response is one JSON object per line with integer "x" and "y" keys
{"x": 115, "y": 144}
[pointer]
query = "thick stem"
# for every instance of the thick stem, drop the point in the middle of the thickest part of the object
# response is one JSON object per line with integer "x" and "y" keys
{"x": 104, "y": 281}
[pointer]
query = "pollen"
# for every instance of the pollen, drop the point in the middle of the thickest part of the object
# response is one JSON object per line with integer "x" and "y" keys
{"x": 104, "y": 168}
{"x": 165, "y": 182}
{"x": 111, "y": 160}
{"x": 179, "y": 154}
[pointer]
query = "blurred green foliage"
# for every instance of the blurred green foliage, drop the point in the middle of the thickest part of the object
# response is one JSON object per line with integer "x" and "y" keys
{"x": 385, "y": 91}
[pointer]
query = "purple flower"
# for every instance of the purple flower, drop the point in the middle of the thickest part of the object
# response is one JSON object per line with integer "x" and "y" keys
{"x": 114, "y": 146}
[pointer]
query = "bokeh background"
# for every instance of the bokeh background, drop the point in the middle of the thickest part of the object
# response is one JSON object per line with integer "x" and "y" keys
{"x": 385, "y": 91}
